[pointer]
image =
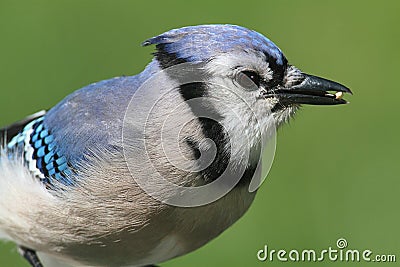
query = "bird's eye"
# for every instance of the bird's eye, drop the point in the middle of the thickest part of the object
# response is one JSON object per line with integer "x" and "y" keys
{"x": 248, "y": 79}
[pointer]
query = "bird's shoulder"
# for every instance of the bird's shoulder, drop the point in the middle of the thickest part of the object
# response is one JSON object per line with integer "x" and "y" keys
{"x": 53, "y": 144}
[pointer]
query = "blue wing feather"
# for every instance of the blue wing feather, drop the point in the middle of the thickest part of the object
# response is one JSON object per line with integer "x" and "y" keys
{"x": 40, "y": 154}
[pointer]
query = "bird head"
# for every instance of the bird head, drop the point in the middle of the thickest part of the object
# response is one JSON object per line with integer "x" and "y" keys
{"x": 245, "y": 79}
{"x": 249, "y": 65}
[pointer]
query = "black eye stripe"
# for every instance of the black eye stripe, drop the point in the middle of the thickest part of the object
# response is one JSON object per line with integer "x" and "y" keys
{"x": 278, "y": 70}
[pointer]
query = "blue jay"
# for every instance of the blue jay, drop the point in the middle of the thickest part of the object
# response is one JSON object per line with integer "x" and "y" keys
{"x": 75, "y": 180}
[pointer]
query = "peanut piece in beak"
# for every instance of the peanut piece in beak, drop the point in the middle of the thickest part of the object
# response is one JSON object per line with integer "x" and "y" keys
{"x": 339, "y": 95}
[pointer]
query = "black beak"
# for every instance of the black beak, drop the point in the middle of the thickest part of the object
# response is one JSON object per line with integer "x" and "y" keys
{"x": 313, "y": 90}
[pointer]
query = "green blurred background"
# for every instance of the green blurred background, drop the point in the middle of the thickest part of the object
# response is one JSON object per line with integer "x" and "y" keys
{"x": 336, "y": 169}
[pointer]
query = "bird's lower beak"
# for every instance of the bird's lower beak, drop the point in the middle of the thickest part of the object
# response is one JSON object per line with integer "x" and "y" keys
{"x": 313, "y": 90}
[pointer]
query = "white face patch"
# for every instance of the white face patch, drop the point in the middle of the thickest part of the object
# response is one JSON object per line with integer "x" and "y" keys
{"x": 246, "y": 116}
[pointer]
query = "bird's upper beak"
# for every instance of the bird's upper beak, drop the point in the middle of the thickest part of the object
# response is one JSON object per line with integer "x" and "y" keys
{"x": 312, "y": 90}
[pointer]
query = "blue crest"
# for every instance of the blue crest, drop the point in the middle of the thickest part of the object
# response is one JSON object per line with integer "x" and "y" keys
{"x": 200, "y": 43}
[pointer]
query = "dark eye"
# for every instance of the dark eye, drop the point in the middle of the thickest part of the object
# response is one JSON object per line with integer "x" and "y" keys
{"x": 249, "y": 79}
